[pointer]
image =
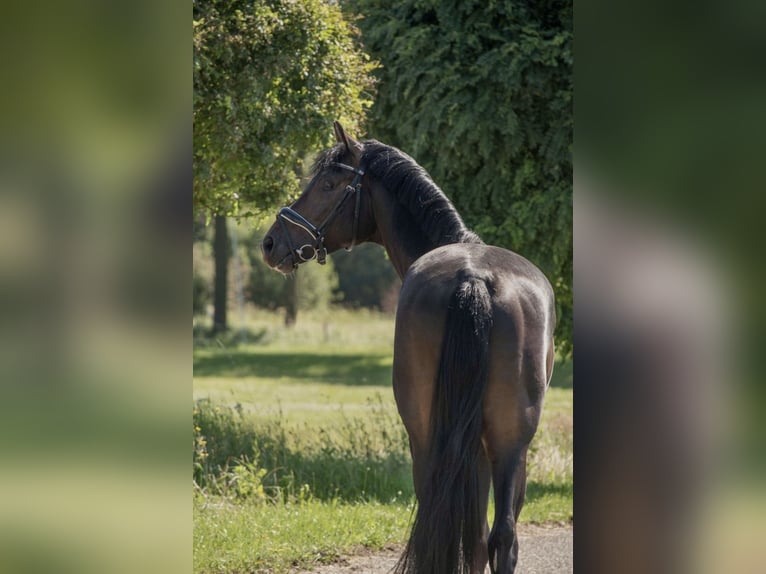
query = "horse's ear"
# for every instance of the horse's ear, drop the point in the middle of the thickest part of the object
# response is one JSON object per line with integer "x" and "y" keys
{"x": 340, "y": 135}
{"x": 353, "y": 146}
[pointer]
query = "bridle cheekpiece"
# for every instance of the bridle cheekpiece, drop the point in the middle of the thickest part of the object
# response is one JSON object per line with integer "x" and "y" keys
{"x": 309, "y": 251}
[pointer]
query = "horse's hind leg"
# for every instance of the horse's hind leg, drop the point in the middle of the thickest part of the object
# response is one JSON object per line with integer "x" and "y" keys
{"x": 511, "y": 410}
{"x": 520, "y": 485}
{"x": 509, "y": 478}
{"x": 484, "y": 469}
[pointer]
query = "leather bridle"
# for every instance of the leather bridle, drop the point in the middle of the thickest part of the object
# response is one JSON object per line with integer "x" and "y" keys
{"x": 317, "y": 249}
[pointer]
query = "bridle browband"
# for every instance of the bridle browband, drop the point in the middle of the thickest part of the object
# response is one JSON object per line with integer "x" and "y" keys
{"x": 317, "y": 249}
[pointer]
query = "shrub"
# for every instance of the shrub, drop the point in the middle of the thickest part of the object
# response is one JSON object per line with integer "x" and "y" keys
{"x": 365, "y": 276}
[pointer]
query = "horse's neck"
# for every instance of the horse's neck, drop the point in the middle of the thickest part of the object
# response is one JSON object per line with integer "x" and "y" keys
{"x": 383, "y": 206}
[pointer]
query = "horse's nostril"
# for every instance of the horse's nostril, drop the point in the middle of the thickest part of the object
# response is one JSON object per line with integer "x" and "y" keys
{"x": 267, "y": 244}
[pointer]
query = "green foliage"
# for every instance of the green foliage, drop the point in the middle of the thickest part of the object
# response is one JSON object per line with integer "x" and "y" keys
{"x": 269, "y": 78}
{"x": 265, "y": 287}
{"x": 316, "y": 285}
{"x": 365, "y": 276}
{"x": 480, "y": 93}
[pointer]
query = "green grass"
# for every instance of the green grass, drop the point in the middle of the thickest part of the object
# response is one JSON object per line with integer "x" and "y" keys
{"x": 302, "y": 385}
{"x": 250, "y": 537}
{"x": 305, "y": 457}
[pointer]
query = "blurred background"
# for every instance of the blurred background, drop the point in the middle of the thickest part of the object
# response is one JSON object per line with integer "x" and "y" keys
{"x": 669, "y": 439}
{"x": 95, "y": 179}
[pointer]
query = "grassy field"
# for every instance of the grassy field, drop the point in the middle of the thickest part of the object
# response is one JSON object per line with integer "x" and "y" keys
{"x": 299, "y": 452}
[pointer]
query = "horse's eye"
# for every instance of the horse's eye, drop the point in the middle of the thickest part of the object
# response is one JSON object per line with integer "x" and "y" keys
{"x": 327, "y": 186}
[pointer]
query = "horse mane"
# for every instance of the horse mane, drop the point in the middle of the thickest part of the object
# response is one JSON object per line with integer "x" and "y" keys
{"x": 414, "y": 190}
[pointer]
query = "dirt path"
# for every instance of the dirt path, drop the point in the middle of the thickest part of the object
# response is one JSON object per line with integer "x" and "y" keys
{"x": 542, "y": 550}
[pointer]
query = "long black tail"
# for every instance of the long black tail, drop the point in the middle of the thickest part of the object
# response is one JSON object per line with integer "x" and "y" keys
{"x": 448, "y": 523}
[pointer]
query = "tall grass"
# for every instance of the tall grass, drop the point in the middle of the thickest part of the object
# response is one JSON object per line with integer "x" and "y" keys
{"x": 356, "y": 459}
{"x": 360, "y": 459}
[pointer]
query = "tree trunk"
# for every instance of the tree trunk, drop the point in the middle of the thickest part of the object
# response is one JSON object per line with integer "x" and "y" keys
{"x": 291, "y": 307}
{"x": 221, "y": 253}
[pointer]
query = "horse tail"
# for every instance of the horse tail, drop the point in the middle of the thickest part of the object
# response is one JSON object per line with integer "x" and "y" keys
{"x": 448, "y": 525}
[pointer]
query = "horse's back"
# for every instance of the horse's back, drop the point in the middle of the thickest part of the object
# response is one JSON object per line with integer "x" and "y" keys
{"x": 519, "y": 290}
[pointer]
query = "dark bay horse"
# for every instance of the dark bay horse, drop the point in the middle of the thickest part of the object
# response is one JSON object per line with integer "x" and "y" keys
{"x": 473, "y": 350}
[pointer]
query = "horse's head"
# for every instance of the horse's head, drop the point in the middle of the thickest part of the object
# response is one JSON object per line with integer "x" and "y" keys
{"x": 326, "y": 215}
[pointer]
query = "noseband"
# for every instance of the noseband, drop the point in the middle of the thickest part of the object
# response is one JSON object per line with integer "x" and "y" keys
{"x": 317, "y": 249}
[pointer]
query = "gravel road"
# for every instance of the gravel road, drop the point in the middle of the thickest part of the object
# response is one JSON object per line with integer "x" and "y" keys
{"x": 542, "y": 550}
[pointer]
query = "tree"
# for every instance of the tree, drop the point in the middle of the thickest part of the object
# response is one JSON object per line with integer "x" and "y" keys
{"x": 221, "y": 254}
{"x": 480, "y": 93}
{"x": 269, "y": 78}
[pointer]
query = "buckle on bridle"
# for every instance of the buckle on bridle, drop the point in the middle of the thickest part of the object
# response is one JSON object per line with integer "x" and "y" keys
{"x": 318, "y": 250}
{"x": 300, "y": 252}
{"x": 318, "y": 253}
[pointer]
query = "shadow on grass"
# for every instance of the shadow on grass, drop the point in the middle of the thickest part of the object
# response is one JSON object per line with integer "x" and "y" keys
{"x": 347, "y": 369}
{"x": 231, "y": 339}
{"x": 358, "y": 369}
{"x": 537, "y": 490}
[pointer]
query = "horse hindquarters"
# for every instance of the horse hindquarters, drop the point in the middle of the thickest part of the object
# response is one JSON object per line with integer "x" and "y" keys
{"x": 451, "y": 516}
